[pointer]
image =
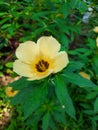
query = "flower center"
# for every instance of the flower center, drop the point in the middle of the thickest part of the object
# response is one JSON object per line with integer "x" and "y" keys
{"x": 42, "y": 66}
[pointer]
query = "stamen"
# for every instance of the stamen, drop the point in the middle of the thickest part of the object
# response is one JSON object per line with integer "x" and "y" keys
{"x": 42, "y": 66}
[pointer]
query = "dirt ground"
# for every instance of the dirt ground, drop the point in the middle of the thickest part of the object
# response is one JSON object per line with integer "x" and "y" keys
{"x": 5, "y": 113}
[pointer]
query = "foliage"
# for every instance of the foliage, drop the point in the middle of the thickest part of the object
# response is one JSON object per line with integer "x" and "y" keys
{"x": 65, "y": 100}
{"x": 27, "y": 20}
{"x": 45, "y": 101}
{"x": 2, "y": 101}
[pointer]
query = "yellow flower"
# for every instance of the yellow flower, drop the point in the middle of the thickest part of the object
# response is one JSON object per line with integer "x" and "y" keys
{"x": 96, "y": 29}
{"x": 37, "y": 61}
{"x": 84, "y": 75}
{"x": 10, "y": 93}
{"x": 97, "y": 41}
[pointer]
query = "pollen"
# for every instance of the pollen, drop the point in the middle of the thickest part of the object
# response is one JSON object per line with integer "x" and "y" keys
{"x": 42, "y": 66}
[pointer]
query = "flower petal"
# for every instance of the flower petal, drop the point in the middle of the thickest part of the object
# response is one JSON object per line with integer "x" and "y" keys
{"x": 60, "y": 61}
{"x": 27, "y": 51}
{"x": 97, "y": 41}
{"x": 39, "y": 76}
{"x": 48, "y": 45}
{"x": 96, "y": 29}
{"x": 85, "y": 75}
{"x": 22, "y": 69}
{"x": 10, "y": 93}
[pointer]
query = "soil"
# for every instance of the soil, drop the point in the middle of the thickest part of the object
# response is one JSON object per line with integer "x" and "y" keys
{"x": 5, "y": 114}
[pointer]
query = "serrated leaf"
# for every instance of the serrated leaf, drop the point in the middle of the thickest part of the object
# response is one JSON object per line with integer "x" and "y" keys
{"x": 96, "y": 105}
{"x": 74, "y": 3}
{"x": 5, "y": 26}
{"x": 4, "y": 20}
{"x": 63, "y": 96}
{"x": 65, "y": 8}
{"x": 53, "y": 125}
{"x": 92, "y": 95}
{"x": 64, "y": 41}
{"x": 22, "y": 95}
{"x": 95, "y": 63}
{"x": 20, "y": 83}
{"x": 89, "y": 112}
{"x": 59, "y": 117}
{"x": 73, "y": 66}
{"x": 45, "y": 121}
{"x": 37, "y": 97}
{"x": 82, "y": 6}
{"x": 34, "y": 118}
{"x": 78, "y": 80}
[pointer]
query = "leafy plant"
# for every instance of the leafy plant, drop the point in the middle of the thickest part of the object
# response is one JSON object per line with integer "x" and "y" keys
{"x": 65, "y": 100}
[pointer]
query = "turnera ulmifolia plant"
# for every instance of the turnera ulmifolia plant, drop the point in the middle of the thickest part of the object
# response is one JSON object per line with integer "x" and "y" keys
{"x": 39, "y": 60}
{"x": 42, "y": 92}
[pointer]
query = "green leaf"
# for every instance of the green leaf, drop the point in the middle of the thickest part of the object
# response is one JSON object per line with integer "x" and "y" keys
{"x": 74, "y": 66}
{"x": 20, "y": 83}
{"x": 63, "y": 28}
{"x": 1, "y": 74}
{"x": 95, "y": 63}
{"x": 63, "y": 96}
{"x": 64, "y": 41}
{"x": 83, "y": 51}
{"x": 5, "y": 26}
{"x": 46, "y": 121}
{"x": 92, "y": 95}
{"x": 53, "y": 125}
{"x": 37, "y": 97}
{"x": 82, "y": 6}
{"x": 22, "y": 95}
{"x": 78, "y": 80}
{"x": 9, "y": 64}
{"x": 4, "y": 21}
{"x": 65, "y": 9}
{"x": 74, "y": 3}
{"x": 89, "y": 112}
{"x": 3, "y": 13}
{"x": 96, "y": 105}
{"x": 35, "y": 117}
{"x": 59, "y": 117}
{"x": 1, "y": 66}
{"x": 92, "y": 43}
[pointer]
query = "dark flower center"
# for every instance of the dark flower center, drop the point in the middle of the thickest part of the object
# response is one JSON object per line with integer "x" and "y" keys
{"x": 42, "y": 66}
